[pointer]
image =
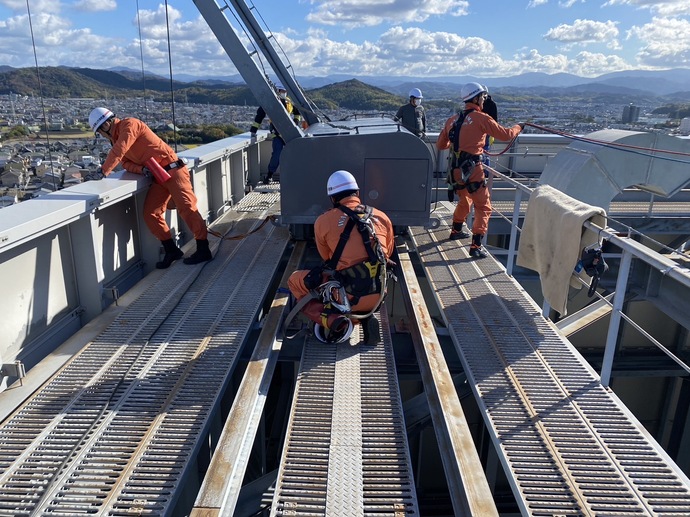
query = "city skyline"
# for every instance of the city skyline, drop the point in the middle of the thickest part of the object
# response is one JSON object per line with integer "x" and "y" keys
{"x": 427, "y": 38}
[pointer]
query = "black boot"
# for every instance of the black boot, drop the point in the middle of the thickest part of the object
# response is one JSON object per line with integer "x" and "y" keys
{"x": 202, "y": 253}
{"x": 459, "y": 231}
{"x": 172, "y": 253}
{"x": 371, "y": 330}
{"x": 476, "y": 248}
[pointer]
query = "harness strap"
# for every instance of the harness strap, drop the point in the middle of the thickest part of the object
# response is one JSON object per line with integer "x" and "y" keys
{"x": 363, "y": 230}
{"x": 344, "y": 237}
{"x": 454, "y": 132}
{"x": 313, "y": 295}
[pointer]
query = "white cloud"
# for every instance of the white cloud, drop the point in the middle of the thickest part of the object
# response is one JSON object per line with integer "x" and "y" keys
{"x": 93, "y": 6}
{"x": 589, "y": 64}
{"x": 191, "y": 43}
{"x": 36, "y": 6}
{"x": 569, "y": 3}
{"x": 666, "y": 42}
{"x": 585, "y": 32}
{"x": 367, "y": 13}
{"x": 56, "y": 43}
{"x": 414, "y": 52}
{"x": 659, "y": 7}
{"x": 537, "y": 3}
{"x": 402, "y": 50}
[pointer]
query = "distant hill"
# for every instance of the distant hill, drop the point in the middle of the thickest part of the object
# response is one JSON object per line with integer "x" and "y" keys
{"x": 381, "y": 94}
{"x": 62, "y": 82}
{"x": 355, "y": 95}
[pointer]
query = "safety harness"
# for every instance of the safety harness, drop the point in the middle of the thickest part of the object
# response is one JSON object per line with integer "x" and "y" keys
{"x": 366, "y": 277}
{"x": 344, "y": 288}
{"x": 462, "y": 160}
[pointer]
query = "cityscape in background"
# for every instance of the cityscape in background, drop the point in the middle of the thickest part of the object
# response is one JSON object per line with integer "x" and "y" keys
{"x": 45, "y": 161}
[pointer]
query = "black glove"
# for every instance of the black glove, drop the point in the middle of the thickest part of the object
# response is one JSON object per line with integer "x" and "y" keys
{"x": 451, "y": 193}
{"x": 313, "y": 278}
{"x": 146, "y": 172}
{"x": 522, "y": 126}
{"x": 95, "y": 175}
{"x": 253, "y": 130}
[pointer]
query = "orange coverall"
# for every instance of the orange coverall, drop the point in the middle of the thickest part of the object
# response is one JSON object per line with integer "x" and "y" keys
{"x": 327, "y": 230}
{"x": 476, "y": 126}
{"x": 133, "y": 144}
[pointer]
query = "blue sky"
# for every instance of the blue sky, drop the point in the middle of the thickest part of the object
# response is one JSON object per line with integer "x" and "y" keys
{"x": 404, "y": 38}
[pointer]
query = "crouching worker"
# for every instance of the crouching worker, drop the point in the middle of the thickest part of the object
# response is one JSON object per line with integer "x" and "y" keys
{"x": 135, "y": 146}
{"x": 355, "y": 242}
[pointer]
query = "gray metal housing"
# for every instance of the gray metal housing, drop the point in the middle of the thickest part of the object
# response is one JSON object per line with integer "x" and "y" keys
{"x": 393, "y": 168}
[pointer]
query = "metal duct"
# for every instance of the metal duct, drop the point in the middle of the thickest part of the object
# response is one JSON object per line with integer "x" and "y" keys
{"x": 596, "y": 173}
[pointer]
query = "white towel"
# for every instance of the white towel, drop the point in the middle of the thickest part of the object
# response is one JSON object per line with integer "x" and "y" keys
{"x": 553, "y": 238}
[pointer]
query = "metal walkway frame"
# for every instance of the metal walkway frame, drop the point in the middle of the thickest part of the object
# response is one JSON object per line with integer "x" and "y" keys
{"x": 117, "y": 430}
{"x": 346, "y": 445}
{"x": 567, "y": 444}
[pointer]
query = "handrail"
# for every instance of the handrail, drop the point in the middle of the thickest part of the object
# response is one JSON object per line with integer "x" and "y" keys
{"x": 630, "y": 249}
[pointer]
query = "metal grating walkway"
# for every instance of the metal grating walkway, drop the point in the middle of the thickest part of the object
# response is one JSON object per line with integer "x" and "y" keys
{"x": 116, "y": 431}
{"x": 568, "y": 446}
{"x": 346, "y": 445}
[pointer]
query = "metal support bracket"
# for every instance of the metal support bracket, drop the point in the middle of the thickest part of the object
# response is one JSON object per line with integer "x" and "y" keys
{"x": 15, "y": 369}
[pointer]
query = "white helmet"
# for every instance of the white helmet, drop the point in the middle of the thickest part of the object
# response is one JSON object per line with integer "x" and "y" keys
{"x": 416, "y": 93}
{"x": 470, "y": 90}
{"x": 98, "y": 116}
{"x": 340, "y": 181}
{"x": 328, "y": 336}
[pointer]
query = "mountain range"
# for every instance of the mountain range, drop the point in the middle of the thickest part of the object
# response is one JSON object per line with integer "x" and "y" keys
{"x": 364, "y": 92}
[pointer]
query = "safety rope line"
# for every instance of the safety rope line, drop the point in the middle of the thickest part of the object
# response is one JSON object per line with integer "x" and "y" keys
{"x": 241, "y": 236}
{"x": 507, "y": 147}
{"x": 143, "y": 73}
{"x": 629, "y": 229}
{"x": 40, "y": 91}
{"x": 172, "y": 91}
{"x": 615, "y": 145}
{"x": 285, "y": 59}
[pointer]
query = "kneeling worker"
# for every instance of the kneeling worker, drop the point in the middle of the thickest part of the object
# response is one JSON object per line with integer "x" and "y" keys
{"x": 134, "y": 144}
{"x": 355, "y": 261}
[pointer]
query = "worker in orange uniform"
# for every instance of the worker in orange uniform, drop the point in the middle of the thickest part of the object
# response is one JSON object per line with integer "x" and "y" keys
{"x": 358, "y": 264}
{"x": 466, "y": 134}
{"x": 133, "y": 143}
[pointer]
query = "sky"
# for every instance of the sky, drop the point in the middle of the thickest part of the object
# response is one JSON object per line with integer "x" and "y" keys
{"x": 406, "y": 38}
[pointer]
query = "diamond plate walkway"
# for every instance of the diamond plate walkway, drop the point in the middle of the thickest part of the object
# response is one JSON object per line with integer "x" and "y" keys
{"x": 568, "y": 445}
{"x": 346, "y": 450}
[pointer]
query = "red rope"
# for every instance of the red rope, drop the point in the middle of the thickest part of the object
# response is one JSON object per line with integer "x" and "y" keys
{"x": 601, "y": 142}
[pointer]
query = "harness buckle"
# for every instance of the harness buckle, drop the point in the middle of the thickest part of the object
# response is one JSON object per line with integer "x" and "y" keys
{"x": 333, "y": 294}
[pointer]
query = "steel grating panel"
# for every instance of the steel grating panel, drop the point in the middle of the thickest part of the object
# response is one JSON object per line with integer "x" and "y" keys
{"x": 568, "y": 446}
{"x": 262, "y": 198}
{"x": 116, "y": 430}
{"x": 346, "y": 445}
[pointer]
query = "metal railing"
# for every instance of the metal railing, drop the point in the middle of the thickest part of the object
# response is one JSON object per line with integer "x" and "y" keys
{"x": 66, "y": 256}
{"x": 630, "y": 249}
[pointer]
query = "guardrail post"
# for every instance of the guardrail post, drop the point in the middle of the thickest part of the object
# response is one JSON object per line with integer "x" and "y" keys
{"x": 513, "y": 232}
{"x": 614, "y": 323}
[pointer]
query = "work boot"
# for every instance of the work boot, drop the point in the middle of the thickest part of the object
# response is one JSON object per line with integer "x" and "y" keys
{"x": 268, "y": 178}
{"x": 172, "y": 253}
{"x": 202, "y": 253}
{"x": 459, "y": 231}
{"x": 372, "y": 331}
{"x": 476, "y": 248}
